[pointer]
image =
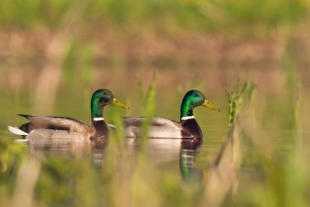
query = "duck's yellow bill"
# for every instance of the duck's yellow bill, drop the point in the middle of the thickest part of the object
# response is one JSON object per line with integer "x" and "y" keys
{"x": 207, "y": 104}
{"x": 116, "y": 102}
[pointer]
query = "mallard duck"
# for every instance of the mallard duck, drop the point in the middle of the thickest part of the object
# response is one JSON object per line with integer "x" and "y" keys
{"x": 56, "y": 127}
{"x": 166, "y": 128}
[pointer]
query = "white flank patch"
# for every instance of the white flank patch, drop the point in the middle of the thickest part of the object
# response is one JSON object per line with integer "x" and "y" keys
{"x": 112, "y": 126}
{"x": 187, "y": 117}
{"x": 21, "y": 140}
{"x": 16, "y": 130}
{"x": 98, "y": 119}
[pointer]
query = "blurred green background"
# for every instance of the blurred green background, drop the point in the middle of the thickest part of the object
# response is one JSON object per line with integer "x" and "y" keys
{"x": 54, "y": 54}
{"x": 87, "y": 45}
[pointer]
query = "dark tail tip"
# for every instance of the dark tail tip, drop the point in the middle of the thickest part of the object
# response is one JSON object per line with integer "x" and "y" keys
{"x": 24, "y": 115}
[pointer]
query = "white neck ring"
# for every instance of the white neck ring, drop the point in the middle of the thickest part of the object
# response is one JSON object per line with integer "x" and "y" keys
{"x": 98, "y": 119}
{"x": 187, "y": 117}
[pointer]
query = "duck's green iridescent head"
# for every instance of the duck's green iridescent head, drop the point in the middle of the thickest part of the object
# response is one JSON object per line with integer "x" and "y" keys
{"x": 192, "y": 99}
{"x": 101, "y": 98}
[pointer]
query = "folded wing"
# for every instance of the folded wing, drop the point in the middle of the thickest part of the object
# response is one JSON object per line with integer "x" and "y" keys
{"x": 56, "y": 123}
{"x": 159, "y": 128}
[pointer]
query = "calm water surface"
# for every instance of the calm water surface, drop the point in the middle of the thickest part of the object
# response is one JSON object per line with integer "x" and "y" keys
{"x": 197, "y": 155}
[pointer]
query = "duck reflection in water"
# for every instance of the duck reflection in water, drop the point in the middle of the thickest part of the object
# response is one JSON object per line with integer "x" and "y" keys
{"x": 165, "y": 153}
{"x": 92, "y": 150}
{"x": 187, "y": 154}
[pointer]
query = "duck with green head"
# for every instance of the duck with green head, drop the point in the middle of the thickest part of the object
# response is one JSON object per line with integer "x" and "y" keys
{"x": 166, "y": 128}
{"x": 57, "y": 127}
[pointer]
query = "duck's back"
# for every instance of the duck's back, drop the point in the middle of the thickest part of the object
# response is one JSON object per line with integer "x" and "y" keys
{"x": 55, "y": 137}
{"x": 58, "y": 123}
{"x": 159, "y": 128}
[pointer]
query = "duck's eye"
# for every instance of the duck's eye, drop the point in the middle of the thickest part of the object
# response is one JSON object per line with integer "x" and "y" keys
{"x": 196, "y": 95}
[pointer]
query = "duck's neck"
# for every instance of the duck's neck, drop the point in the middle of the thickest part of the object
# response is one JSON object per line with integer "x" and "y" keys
{"x": 96, "y": 110}
{"x": 190, "y": 127}
{"x": 186, "y": 111}
{"x": 101, "y": 128}
{"x": 98, "y": 121}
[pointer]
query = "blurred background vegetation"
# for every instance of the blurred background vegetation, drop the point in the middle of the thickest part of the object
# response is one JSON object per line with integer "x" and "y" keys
{"x": 55, "y": 53}
{"x": 127, "y": 36}
{"x": 95, "y": 42}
